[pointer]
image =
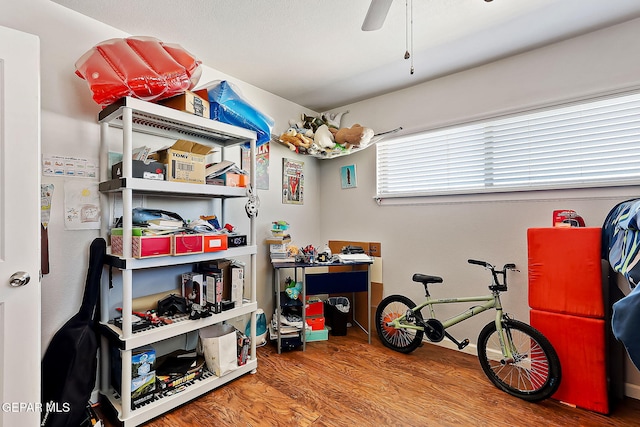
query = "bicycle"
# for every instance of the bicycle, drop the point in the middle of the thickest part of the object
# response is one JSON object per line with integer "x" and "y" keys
{"x": 524, "y": 364}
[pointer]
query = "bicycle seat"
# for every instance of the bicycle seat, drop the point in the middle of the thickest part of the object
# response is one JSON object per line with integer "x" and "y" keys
{"x": 425, "y": 278}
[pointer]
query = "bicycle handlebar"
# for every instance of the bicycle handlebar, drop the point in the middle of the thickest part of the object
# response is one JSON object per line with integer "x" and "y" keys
{"x": 476, "y": 262}
{"x": 487, "y": 265}
{"x": 495, "y": 274}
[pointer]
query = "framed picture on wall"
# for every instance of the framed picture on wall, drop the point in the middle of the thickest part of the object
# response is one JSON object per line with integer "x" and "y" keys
{"x": 262, "y": 165}
{"x": 292, "y": 182}
{"x": 348, "y": 176}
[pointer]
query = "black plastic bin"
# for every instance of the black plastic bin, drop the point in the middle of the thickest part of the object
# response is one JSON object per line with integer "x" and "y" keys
{"x": 336, "y": 313}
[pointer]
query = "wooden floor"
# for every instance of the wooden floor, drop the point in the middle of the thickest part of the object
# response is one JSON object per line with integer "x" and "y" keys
{"x": 346, "y": 382}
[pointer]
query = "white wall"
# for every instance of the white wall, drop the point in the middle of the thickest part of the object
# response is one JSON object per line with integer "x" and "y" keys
{"x": 438, "y": 237}
{"x": 69, "y": 127}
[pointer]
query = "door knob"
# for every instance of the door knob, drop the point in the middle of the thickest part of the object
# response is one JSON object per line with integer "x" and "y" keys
{"x": 19, "y": 278}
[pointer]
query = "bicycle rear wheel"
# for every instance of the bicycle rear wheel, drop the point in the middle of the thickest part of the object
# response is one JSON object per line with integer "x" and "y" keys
{"x": 534, "y": 372}
{"x": 398, "y": 339}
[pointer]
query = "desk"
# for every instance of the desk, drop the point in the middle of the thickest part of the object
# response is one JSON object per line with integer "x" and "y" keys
{"x": 324, "y": 283}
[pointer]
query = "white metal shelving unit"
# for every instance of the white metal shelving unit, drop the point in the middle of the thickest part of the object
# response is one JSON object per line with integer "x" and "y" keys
{"x": 132, "y": 116}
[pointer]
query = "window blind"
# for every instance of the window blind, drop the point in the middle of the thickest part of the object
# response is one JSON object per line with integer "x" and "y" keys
{"x": 590, "y": 144}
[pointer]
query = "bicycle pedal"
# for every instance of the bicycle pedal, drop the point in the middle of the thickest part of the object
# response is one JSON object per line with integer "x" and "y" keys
{"x": 463, "y": 344}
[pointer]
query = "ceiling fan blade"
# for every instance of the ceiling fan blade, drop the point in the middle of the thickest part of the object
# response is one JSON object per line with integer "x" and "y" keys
{"x": 376, "y": 15}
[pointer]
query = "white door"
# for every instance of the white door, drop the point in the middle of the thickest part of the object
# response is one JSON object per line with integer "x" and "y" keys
{"x": 20, "y": 348}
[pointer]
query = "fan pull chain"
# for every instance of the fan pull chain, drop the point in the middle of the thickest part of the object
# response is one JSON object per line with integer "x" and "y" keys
{"x": 409, "y": 32}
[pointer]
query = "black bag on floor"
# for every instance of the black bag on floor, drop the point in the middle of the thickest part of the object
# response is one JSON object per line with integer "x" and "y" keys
{"x": 69, "y": 364}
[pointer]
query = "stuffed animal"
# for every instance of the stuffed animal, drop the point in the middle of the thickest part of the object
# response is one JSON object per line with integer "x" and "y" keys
{"x": 355, "y": 136}
{"x": 324, "y": 137}
{"x": 333, "y": 119}
{"x": 295, "y": 140}
{"x": 293, "y": 289}
{"x": 311, "y": 122}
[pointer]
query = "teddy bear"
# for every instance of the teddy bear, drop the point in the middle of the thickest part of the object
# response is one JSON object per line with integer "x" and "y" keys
{"x": 355, "y": 136}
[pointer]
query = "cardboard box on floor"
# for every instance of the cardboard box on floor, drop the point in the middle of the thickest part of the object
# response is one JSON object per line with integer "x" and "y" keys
{"x": 185, "y": 160}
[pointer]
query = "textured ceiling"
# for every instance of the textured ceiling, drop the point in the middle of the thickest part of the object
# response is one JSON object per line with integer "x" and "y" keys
{"x": 313, "y": 52}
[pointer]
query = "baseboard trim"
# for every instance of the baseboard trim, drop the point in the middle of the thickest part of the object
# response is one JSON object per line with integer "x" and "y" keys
{"x": 632, "y": 391}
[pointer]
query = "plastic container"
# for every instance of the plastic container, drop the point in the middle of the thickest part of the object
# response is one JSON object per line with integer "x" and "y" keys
{"x": 336, "y": 312}
{"x": 261, "y": 328}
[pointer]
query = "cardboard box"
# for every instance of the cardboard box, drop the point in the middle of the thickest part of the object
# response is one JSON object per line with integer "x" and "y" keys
{"x": 237, "y": 283}
{"x": 186, "y": 244}
{"x": 236, "y": 180}
{"x": 244, "y": 343}
{"x": 143, "y": 374}
{"x": 188, "y": 102}
{"x": 214, "y": 181}
{"x": 141, "y": 246}
{"x": 194, "y": 288}
{"x": 223, "y": 266}
{"x": 215, "y": 285}
{"x": 185, "y": 161}
{"x": 168, "y": 379}
{"x": 215, "y": 242}
{"x": 140, "y": 169}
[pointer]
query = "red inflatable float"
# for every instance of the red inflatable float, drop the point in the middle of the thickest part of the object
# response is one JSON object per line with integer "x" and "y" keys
{"x": 142, "y": 67}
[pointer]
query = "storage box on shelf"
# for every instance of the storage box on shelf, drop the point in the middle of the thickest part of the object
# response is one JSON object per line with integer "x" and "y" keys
{"x": 143, "y": 374}
{"x": 141, "y": 246}
{"x": 185, "y": 161}
{"x": 184, "y": 244}
{"x": 215, "y": 242}
{"x": 140, "y": 169}
{"x": 236, "y": 180}
{"x": 188, "y": 102}
{"x": 133, "y": 116}
{"x": 178, "y": 369}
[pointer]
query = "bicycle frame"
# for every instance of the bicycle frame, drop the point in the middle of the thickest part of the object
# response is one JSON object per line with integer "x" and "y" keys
{"x": 490, "y": 301}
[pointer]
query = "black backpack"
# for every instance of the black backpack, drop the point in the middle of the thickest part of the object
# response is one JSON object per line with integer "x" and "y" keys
{"x": 69, "y": 364}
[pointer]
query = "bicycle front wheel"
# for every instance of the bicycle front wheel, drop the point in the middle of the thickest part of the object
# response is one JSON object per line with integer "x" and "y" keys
{"x": 403, "y": 340}
{"x": 532, "y": 373}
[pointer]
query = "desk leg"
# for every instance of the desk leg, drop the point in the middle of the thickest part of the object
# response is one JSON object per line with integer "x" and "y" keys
{"x": 304, "y": 310}
{"x": 276, "y": 287}
{"x": 353, "y": 299}
{"x": 369, "y": 302}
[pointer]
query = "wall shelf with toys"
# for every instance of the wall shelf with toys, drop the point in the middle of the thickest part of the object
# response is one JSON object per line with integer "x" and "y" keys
{"x": 324, "y": 137}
